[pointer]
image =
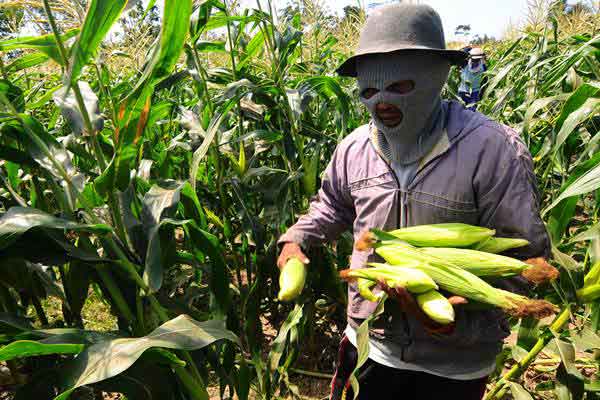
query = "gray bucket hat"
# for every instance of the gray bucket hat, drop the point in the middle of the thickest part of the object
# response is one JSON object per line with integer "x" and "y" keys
{"x": 402, "y": 27}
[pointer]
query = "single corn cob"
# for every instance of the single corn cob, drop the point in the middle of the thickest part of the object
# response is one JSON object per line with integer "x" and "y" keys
{"x": 291, "y": 279}
{"x": 364, "y": 288}
{"x": 436, "y": 306}
{"x": 498, "y": 245}
{"x": 593, "y": 276}
{"x": 412, "y": 279}
{"x": 492, "y": 265}
{"x": 436, "y": 235}
{"x": 463, "y": 283}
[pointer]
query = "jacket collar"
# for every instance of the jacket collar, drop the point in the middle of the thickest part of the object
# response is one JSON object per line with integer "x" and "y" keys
{"x": 460, "y": 122}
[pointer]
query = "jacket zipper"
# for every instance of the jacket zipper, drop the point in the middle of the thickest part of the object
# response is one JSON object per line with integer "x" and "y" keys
{"x": 401, "y": 222}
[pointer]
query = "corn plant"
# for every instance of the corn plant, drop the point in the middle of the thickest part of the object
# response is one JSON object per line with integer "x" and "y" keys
{"x": 164, "y": 190}
{"x": 159, "y": 170}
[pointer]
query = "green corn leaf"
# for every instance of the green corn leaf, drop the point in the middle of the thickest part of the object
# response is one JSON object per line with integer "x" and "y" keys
{"x": 13, "y": 324}
{"x": 106, "y": 359}
{"x": 159, "y": 205}
{"x": 279, "y": 344}
{"x": 519, "y": 392}
{"x": 27, "y": 61}
{"x": 538, "y": 105}
{"x": 586, "y": 183}
{"x": 45, "y": 44}
{"x": 29, "y": 348}
{"x": 13, "y": 94}
{"x": 204, "y": 245}
{"x": 48, "y": 153}
{"x": 574, "y": 119}
{"x": 101, "y": 16}
{"x": 137, "y": 105}
{"x": 18, "y": 220}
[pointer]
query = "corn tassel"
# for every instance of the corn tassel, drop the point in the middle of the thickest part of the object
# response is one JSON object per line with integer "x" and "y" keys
{"x": 436, "y": 306}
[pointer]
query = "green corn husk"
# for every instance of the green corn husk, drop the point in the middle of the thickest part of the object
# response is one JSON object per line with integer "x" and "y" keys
{"x": 499, "y": 245}
{"x": 412, "y": 279}
{"x": 493, "y": 265}
{"x": 593, "y": 276}
{"x": 364, "y": 288}
{"x": 291, "y": 279}
{"x": 437, "y": 235}
{"x": 463, "y": 283}
{"x": 436, "y": 306}
{"x": 478, "y": 262}
{"x": 483, "y": 264}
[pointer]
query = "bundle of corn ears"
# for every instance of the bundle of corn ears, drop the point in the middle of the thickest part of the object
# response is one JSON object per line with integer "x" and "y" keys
{"x": 453, "y": 257}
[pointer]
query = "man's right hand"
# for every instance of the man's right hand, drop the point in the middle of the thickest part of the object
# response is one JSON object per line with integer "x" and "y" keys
{"x": 291, "y": 250}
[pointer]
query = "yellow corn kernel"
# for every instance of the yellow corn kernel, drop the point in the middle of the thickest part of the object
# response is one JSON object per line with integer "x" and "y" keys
{"x": 436, "y": 306}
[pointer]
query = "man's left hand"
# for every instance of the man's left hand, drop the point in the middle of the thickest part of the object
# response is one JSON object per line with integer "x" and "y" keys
{"x": 409, "y": 305}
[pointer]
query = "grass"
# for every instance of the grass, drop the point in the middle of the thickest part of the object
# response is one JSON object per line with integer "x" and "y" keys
{"x": 96, "y": 313}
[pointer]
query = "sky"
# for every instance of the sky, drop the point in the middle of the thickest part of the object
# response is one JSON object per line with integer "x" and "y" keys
{"x": 489, "y": 17}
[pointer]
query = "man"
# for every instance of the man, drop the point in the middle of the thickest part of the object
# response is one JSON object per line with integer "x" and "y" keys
{"x": 420, "y": 161}
{"x": 471, "y": 78}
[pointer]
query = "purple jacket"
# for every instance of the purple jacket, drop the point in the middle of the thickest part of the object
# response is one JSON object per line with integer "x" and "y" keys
{"x": 479, "y": 173}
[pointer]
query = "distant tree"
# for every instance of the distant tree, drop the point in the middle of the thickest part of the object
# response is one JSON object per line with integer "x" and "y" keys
{"x": 463, "y": 30}
{"x": 481, "y": 40}
{"x": 288, "y": 12}
{"x": 137, "y": 17}
{"x": 352, "y": 12}
{"x": 578, "y": 8}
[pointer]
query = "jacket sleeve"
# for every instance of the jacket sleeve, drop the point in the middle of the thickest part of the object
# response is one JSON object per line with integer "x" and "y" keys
{"x": 331, "y": 212}
{"x": 508, "y": 199}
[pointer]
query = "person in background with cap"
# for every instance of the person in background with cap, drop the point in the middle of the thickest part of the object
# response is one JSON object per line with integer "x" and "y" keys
{"x": 471, "y": 78}
{"x": 420, "y": 160}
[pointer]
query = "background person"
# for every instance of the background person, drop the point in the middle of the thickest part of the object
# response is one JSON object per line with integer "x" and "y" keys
{"x": 471, "y": 78}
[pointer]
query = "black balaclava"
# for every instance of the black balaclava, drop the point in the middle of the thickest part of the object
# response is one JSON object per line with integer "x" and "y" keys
{"x": 422, "y": 111}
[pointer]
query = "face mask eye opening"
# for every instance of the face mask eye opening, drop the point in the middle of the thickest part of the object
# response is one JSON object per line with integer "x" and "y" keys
{"x": 368, "y": 93}
{"x": 401, "y": 87}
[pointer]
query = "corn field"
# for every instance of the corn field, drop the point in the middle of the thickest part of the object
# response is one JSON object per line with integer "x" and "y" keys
{"x": 150, "y": 157}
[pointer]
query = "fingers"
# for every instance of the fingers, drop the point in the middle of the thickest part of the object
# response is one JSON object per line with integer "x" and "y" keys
{"x": 302, "y": 257}
{"x": 457, "y": 300}
{"x": 408, "y": 304}
{"x": 291, "y": 250}
{"x": 384, "y": 286}
{"x": 440, "y": 329}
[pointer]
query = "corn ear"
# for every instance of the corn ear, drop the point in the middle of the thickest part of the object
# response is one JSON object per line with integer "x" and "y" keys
{"x": 499, "y": 245}
{"x": 291, "y": 279}
{"x": 438, "y": 235}
{"x": 593, "y": 276}
{"x": 436, "y": 306}
{"x": 364, "y": 288}
{"x": 478, "y": 262}
{"x": 412, "y": 279}
{"x": 458, "y": 281}
{"x": 493, "y": 265}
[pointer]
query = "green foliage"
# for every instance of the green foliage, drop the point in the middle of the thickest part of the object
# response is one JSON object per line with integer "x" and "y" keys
{"x": 163, "y": 187}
